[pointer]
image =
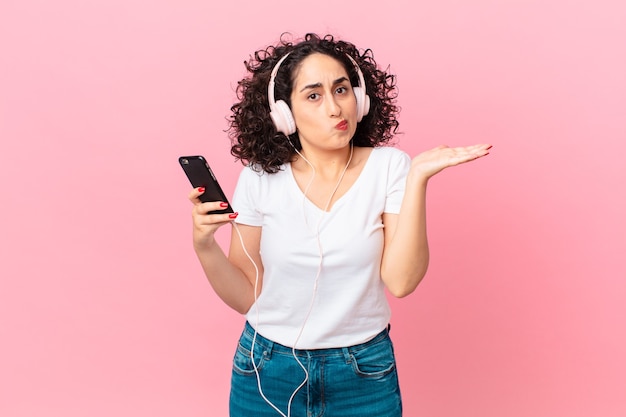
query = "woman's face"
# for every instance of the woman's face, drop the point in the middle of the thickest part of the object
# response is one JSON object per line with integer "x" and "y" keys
{"x": 323, "y": 103}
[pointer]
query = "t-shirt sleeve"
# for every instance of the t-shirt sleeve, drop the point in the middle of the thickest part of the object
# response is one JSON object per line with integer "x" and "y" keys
{"x": 398, "y": 169}
{"x": 247, "y": 198}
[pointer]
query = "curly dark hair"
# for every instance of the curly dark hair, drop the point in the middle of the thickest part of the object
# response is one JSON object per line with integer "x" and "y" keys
{"x": 254, "y": 138}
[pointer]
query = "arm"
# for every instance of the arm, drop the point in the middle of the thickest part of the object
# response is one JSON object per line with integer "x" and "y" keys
{"x": 233, "y": 277}
{"x": 406, "y": 254}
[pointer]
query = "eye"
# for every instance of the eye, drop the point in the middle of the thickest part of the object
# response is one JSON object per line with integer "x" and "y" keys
{"x": 341, "y": 90}
{"x": 313, "y": 96}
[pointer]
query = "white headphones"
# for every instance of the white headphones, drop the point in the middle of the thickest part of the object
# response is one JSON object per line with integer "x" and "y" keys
{"x": 281, "y": 114}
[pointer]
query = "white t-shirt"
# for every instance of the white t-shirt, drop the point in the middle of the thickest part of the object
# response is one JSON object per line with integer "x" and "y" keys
{"x": 348, "y": 305}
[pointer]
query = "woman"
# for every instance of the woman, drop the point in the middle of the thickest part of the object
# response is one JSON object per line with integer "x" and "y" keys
{"x": 327, "y": 219}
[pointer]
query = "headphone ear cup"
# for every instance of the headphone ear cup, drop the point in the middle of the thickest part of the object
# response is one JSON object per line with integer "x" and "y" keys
{"x": 282, "y": 118}
{"x": 362, "y": 103}
{"x": 366, "y": 105}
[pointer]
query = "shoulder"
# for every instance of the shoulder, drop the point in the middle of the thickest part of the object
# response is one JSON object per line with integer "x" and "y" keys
{"x": 389, "y": 152}
{"x": 252, "y": 176}
{"x": 389, "y": 155}
{"x": 256, "y": 173}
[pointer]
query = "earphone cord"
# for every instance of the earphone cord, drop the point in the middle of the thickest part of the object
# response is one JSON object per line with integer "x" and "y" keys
{"x": 317, "y": 234}
{"x": 315, "y": 283}
{"x": 256, "y": 288}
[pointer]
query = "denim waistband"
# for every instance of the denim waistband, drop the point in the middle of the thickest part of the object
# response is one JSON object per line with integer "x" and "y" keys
{"x": 273, "y": 347}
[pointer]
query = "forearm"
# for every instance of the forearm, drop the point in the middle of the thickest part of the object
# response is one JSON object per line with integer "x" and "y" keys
{"x": 228, "y": 281}
{"x": 406, "y": 256}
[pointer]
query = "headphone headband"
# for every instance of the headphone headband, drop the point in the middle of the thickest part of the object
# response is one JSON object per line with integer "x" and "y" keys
{"x": 270, "y": 86}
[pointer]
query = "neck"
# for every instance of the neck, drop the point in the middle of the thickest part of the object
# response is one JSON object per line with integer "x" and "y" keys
{"x": 330, "y": 173}
{"x": 325, "y": 164}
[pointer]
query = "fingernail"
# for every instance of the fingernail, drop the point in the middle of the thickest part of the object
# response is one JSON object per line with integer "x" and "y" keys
{"x": 233, "y": 215}
{"x": 223, "y": 205}
{"x": 201, "y": 189}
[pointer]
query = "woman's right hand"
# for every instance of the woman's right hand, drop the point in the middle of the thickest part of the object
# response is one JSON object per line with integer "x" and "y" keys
{"x": 204, "y": 224}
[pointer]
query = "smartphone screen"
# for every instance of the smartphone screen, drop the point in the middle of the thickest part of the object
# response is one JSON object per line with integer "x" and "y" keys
{"x": 200, "y": 175}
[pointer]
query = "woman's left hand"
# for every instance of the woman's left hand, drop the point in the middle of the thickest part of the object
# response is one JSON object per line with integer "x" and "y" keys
{"x": 433, "y": 161}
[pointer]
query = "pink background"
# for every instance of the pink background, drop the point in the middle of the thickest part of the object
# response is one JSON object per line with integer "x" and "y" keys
{"x": 103, "y": 307}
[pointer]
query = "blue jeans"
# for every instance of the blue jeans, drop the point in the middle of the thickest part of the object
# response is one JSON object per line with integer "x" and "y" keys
{"x": 355, "y": 381}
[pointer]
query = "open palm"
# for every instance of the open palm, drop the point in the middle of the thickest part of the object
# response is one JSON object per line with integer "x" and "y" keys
{"x": 435, "y": 160}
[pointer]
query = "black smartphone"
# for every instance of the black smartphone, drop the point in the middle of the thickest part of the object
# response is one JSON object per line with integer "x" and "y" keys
{"x": 200, "y": 175}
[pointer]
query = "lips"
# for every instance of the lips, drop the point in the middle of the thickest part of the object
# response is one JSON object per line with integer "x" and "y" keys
{"x": 342, "y": 125}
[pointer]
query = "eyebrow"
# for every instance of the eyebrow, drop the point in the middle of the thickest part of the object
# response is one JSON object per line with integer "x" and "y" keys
{"x": 317, "y": 85}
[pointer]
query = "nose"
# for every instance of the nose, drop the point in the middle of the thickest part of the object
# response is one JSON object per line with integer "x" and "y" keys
{"x": 332, "y": 106}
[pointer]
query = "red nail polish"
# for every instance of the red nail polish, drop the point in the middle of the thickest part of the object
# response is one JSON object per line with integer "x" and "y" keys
{"x": 233, "y": 215}
{"x": 223, "y": 205}
{"x": 201, "y": 189}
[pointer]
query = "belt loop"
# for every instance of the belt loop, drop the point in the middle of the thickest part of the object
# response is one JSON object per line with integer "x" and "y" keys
{"x": 346, "y": 354}
{"x": 269, "y": 347}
